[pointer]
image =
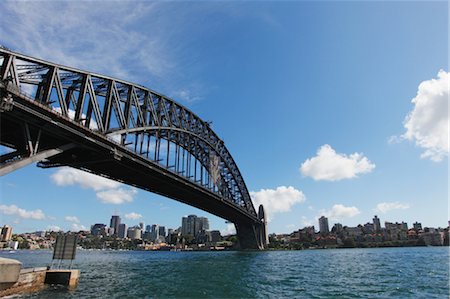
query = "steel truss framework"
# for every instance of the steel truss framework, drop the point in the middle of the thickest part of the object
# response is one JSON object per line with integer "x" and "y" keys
{"x": 152, "y": 125}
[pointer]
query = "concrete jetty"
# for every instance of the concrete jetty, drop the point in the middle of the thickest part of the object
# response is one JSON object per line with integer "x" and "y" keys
{"x": 15, "y": 280}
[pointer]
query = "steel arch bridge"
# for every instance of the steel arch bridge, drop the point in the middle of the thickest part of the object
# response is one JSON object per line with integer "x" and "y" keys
{"x": 61, "y": 116}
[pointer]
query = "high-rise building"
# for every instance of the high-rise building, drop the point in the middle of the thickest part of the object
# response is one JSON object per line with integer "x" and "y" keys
{"x": 98, "y": 229}
{"x": 122, "y": 233}
{"x": 6, "y": 233}
{"x": 376, "y": 224}
{"x": 201, "y": 224}
{"x": 323, "y": 225}
{"x": 188, "y": 225}
{"x": 154, "y": 233}
{"x": 114, "y": 224}
{"x": 192, "y": 225}
{"x": 162, "y": 231}
{"x": 148, "y": 228}
{"x": 141, "y": 225}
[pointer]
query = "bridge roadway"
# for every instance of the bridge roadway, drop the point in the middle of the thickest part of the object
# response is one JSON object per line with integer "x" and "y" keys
{"x": 40, "y": 134}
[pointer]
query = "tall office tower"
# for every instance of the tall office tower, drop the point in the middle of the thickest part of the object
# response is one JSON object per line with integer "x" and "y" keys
{"x": 122, "y": 232}
{"x": 162, "y": 231}
{"x": 98, "y": 229}
{"x": 323, "y": 225}
{"x": 141, "y": 225}
{"x": 6, "y": 233}
{"x": 376, "y": 224}
{"x": 154, "y": 234}
{"x": 115, "y": 222}
{"x": 201, "y": 224}
{"x": 188, "y": 225}
{"x": 148, "y": 228}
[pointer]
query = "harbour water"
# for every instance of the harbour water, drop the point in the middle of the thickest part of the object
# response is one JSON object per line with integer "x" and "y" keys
{"x": 418, "y": 272}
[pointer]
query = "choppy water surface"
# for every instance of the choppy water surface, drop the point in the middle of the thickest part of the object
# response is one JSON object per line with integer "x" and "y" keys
{"x": 421, "y": 272}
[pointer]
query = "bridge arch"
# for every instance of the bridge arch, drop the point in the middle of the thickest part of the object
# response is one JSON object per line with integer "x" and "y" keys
{"x": 77, "y": 116}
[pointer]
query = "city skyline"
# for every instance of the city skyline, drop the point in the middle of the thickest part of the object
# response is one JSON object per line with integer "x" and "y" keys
{"x": 318, "y": 126}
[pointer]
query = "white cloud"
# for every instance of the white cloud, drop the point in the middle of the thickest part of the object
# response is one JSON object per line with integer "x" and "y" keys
{"x": 72, "y": 219}
{"x": 70, "y": 176}
{"x": 427, "y": 124}
{"x": 16, "y": 211}
{"x": 331, "y": 166}
{"x": 384, "y": 207}
{"x": 339, "y": 211}
{"x": 133, "y": 216}
{"x": 229, "y": 230}
{"x": 75, "y": 227}
{"x": 107, "y": 191}
{"x": 116, "y": 196}
{"x": 278, "y": 200}
{"x": 53, "y": 228}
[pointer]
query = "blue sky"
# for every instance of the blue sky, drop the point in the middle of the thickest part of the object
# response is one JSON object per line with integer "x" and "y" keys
{"x": 312, "y": 99}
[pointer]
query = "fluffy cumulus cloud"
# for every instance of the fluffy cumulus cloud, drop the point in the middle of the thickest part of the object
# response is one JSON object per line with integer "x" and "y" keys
{"x": 107, "y": 191}
{"x": 72, "y": 219}
{"x": 117, "y": 196}
{"x": 384, "y": 207}
{"x": 133, "y": 216}
{"x": 71, "y": 176}
{"x": 328, "y": 165}
{"x": 427, "y": 124}
{"x": 21, "y": 213}
{"x": 339, "y": 211}
{"x": 277, "y": 200}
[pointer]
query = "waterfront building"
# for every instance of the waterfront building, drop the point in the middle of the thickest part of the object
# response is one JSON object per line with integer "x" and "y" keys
{"x": 353, "y": 231}
{"x": 376, "y": 224}
{"x": 6, "y": 233}
{"x": 323, "y": 226}
{"x": 122, "y": 233}
{"x": 368, "y": 228}
{"x": 134, "y": 233}
{"x": 432, "y": 237}
{"x": 417, "y": 226}
{"x": 13, "y": 245}
{"x": 215, "y": 236}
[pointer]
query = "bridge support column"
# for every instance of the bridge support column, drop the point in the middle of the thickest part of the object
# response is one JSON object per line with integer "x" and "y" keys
{"x": 253, "y": 236}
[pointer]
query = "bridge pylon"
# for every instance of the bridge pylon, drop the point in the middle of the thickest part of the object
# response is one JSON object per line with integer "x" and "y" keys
{"x": 253, "y": 236}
